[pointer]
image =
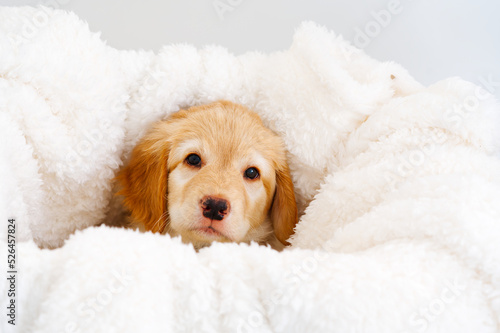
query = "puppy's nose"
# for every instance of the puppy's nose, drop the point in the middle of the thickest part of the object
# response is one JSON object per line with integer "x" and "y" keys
{"x": 214, "y": 208}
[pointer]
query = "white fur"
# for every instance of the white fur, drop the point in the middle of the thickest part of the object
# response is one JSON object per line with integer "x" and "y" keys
{"x": 399, "y": 186}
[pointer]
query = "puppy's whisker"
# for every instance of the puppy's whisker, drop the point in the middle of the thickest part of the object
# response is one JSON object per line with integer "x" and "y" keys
{"x": 162, "y": 219}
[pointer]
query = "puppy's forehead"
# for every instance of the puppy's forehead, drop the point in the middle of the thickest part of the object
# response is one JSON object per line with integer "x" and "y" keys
{"x": 232, "y": 130}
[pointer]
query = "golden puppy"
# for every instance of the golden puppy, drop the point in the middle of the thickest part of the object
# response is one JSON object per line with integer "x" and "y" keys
{"x": 211, "y": 173}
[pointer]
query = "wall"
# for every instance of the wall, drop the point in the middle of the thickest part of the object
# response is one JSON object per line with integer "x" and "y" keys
{"x": 432, "y": 39}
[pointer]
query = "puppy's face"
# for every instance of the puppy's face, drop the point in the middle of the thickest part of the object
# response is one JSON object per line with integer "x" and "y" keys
{"x": 221, "y": 182}
{"x": 211, "y": 173}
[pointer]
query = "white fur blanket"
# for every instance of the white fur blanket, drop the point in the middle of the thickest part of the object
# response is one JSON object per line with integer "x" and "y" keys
{"x": 398, "y": 186}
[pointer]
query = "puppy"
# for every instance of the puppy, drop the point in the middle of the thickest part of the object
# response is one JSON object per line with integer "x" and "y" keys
{"x": 211, "y": 173}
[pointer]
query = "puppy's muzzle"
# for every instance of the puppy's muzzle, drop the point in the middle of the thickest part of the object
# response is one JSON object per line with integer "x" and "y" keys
{"x": 214, "y": 208}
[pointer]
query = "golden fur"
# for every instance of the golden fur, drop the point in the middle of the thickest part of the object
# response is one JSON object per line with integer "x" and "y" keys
{"x": 164, "y": 192}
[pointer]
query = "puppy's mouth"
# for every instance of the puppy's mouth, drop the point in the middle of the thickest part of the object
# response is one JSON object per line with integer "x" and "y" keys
{"x": 209, "y": 232}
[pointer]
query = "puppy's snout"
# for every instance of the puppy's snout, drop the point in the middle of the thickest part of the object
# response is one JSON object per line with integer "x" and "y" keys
{"x": 214, "y": 208}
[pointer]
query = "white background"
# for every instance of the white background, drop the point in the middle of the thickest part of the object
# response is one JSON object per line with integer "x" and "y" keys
{"x": 432, "y": 39}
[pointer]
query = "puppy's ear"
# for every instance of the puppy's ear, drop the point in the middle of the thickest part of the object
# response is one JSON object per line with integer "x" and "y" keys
{"x": 284, "y": 208}
{"x": 144, "y": 182}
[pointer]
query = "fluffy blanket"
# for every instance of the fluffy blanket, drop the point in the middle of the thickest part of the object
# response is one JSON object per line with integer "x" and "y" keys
{"x": 398, "y": 186}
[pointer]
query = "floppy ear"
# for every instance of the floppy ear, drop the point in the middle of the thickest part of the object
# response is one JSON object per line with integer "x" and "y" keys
{"x": 144, "y": 183}
{"x": 284, "y": 208}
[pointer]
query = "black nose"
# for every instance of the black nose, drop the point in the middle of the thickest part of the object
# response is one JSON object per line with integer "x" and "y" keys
{"x": 214, "y": 208}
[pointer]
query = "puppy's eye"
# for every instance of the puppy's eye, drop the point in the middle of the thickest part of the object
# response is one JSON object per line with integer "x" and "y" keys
{"x": 193, "y": 160}
{"x": 251, "y": 173}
